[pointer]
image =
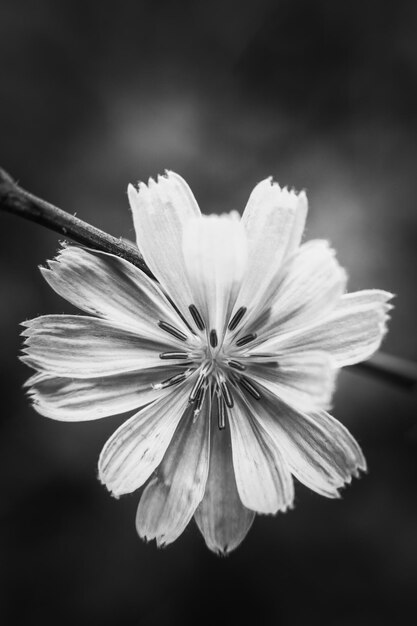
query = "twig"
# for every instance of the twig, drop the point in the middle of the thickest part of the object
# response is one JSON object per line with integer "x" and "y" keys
{"x": 14, "y": 199}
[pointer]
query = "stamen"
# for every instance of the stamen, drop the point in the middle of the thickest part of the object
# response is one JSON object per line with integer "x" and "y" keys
{"x": 197, "y": 386}
{"x": 199, "y": 402}
{"x": 237, "y": 366}
{"x": 228, "y": 398}
{"x": 200, "y": 398}
{"x": 246, "y": 339}
{"x": 183, "y": 364}
{"x": 213, "y": 338}
{"x": 173, "y": 355}
{"x": 236, "y": 319}
{"x": 172, "y": 330}
{"x": 272, "y": 364}
{"x": 233, "y": 380}
{"x": 262, "y": 358}
{"x": 169, "y": 382}
{"x": 199, "y": 322}
{"x": 222, "y": 412}
{"x": 249, "y": 387}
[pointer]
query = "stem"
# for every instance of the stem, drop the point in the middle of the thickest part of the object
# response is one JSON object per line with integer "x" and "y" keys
{"x": 16, "y": 200}
{"x": 390, "y": 368}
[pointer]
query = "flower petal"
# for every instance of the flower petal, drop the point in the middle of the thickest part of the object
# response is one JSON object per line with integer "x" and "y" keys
{"x": 274, "y": 220}
{"x": 319, "y": 450}
{"x": 305, "y": 380}
{"x": 221, "y": 517}
{"x": 138, "y": 446}
{"x": 351, "y": 333}
{"x": 310, "y": 286}
{"x": 262, "y": 476}
{"x": 160, "y": 211}
{"x": 215, "y": 254}
{"x": 106, "y": 286}
{"x": 70, "y": 399}
{"x": 171, "y": 497}
{"x": 75, "y": 346}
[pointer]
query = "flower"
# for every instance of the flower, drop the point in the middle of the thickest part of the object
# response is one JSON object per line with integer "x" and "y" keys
{"x": 232, "y": 357}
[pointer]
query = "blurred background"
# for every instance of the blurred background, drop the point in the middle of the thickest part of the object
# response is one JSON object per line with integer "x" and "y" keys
{"x": 323, "y": 96}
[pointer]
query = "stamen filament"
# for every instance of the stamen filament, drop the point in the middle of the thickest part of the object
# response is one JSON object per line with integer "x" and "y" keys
{"x": 199, "y": 322}
{"x": 183, "y": 364}
{"x": 237, "y": 318}
{"x": 168, "y": 328}
{"x": 246, "y": 339}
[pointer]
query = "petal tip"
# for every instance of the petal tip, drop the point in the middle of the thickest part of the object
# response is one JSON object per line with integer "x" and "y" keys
{"x": 131, "y": 190}
{"x": 113, "y": 491}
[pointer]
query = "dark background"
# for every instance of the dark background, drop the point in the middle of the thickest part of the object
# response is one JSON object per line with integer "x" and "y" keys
{"x": 322, "y": 95}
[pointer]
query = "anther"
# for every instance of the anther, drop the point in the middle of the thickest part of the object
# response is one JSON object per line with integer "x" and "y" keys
{"x": 199, "y": 322}
{"x": 222, "y": 411}
{"x": 199, "y": 402}
{"x": 237, "y": 366}
{"x": 168, "y": 328}
{"x": 249, "y": 387}
{"x": 197, "y": 386}
{"x": 213, "y": 338}
{"x": 237, "y": 318}
{"x": 173, "y": 355}
{"x": 263, "y": 358}
{"x": 228, "y": 398}
{"x": 246, "y": 339}
{"x": 169, "y": 382}
{"x": 200, "y": 399}
{"x": 271, "y": 364}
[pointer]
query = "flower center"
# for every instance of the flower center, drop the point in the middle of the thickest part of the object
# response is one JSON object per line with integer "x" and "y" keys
{"x": 218, "y": 376}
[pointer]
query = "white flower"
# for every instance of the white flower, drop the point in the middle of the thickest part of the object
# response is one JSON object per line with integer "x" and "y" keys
{"x": 232, "y": 357}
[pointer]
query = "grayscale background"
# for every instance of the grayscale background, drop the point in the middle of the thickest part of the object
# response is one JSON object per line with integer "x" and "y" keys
{"x": 320, "y": 94}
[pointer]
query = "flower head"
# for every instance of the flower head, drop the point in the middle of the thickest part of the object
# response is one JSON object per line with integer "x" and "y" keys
{"x": 229, "y": 359}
